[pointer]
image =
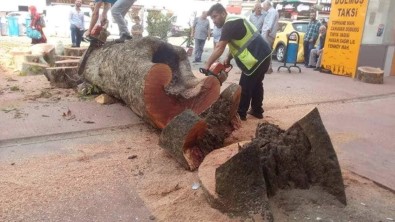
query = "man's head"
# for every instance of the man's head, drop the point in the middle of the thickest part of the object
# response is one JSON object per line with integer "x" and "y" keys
{"x": 218, "y": 14}
{"x": 92, "y": 5}
{"x": 322, "y": 30}
{"x": 312, "y": 16}
{"x": 266, "y": 5}
{"x": 204, "y": 15}
{"x": 78, "y": 3}
{"x": 258, "y": 9}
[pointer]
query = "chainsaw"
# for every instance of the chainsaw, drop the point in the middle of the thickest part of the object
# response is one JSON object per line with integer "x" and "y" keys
{"x": 218, "y": 70}
{"x": 97, "y": 38}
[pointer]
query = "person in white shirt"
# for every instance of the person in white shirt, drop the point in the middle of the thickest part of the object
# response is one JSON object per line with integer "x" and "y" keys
{"x": 270, "y": 26}
{"x": 76, "y": 19}
{"x": 258, "y": 17}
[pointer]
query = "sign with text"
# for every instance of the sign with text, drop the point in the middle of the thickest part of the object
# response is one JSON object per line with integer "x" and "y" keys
{"x": 343, "y": 37}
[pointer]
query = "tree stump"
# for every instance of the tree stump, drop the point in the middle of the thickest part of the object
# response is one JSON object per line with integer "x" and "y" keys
{"x": 32, "y": 68}
{"x": 18, "y": 57}
{"x": 370, "y": 75}
{"x": 63, "y": 77}
{"x": 67, "y": 63}
{"x": 189, "y": 138}
{"x": 35, "y": 59}
{"x": 47, "y": 51}
{"x": 73, "y": 51}
{"x": 301, "y": 157}
{"x": 59, "y": 57}
{"x": 152, "y": 77}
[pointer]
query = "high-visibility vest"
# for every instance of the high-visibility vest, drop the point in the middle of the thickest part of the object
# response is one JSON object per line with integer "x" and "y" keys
{"x": 249, "y": 51}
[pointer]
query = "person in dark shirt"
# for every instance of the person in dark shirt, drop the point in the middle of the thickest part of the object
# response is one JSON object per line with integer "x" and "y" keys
{"x": 251, "y": 53}
{"x": 316, "y": 54}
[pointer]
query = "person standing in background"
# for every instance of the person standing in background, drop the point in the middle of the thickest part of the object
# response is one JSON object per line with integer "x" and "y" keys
{"x": 201, "y": 32}
{"x": 310, "y": 37}
{"x": 216, "y": 35}
{"x": 35, "y": 24}
{"x": 270, "y": 26}
{"x": 258, "y": 17}
{"x": 137, "y": 28}
{"x": 76, "y": 19}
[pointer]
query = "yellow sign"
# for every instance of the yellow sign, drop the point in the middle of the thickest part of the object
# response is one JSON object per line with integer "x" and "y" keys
{"x": 343, "y": 37}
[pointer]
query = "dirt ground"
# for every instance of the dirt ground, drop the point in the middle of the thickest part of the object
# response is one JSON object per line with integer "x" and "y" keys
{"x": 35, "y": 189}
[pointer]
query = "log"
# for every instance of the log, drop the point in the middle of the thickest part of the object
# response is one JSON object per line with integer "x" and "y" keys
{"x": 105, "y": 99}
{"x": 73, "y": 51}
{"x": 35, "y": 59}
{"x": 59, "y": 57}
{"x": 47, "y": 51}
{"x": 370, "y": 75}
{"x": 180, "y": 137}
{"x": 32, "y": 68}
{"x": 63, "y": 77}
{"x": 152, "y": 77}
{"x": 301, "y": 157}
{"x": 68, "y": 62}
{"x": 18, "y": 57}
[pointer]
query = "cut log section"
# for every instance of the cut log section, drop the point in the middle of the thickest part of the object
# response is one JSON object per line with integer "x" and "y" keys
{"x": 218, "y": 121}
{"x": 152, "y": 77}
{"x": 67, "y": 63}
{"x": 59, "y": 57}
{"x": 63, "y": 77}
{"x": 47, "y": 51}
{"x": 73, "y": 51}
{"x": 370, "y": 75}
{"x": 35, "y": 59}
{"x": 180, "y": 137}
{"x": 32, "y": 68}
{"x": 18, "y": 57}
{"x": 301, "y": 157}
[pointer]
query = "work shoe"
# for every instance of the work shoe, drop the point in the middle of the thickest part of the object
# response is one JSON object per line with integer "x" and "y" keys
{"x": 255, "y": 114}
{"x": 243, "y": 118}
{"x": 123, "y": 38}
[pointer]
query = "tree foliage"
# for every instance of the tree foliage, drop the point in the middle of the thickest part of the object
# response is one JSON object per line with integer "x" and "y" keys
{"x": 158, "y": 24}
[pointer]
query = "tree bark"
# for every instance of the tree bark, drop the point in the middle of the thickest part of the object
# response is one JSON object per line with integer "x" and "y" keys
{"x": 63, "y": 77}
{"x": 370, "y": 75}
{"x": 152, "y": 77}
{"x": 189, "y": 138}
{"x": 72, "y": 51}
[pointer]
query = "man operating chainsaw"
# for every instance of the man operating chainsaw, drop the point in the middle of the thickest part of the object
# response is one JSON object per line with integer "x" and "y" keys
{"x": 95, "y": 14}
{"x": 251, "y": 53}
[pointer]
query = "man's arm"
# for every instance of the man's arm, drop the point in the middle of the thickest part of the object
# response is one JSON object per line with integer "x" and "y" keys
{"x": 219, "y": 49}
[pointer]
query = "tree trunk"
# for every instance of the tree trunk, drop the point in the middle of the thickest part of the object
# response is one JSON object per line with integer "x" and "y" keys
{"x": 301, "y": 157}
{"x": 63, "y": 77}
{"x": 32, "y": 68}
{"x": 152, "y": 77}
{"x": 189, "y": 138}
{"x": 68, "y": 62}
{"x": 73, "y": 51}
{"x": 370, "y": 75}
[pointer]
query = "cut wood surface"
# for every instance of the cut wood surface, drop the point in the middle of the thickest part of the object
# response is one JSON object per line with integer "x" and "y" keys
{"x": 32, "y": 68}
{"x": 180, "y": 136}
{"x": 68, "y": 62}
{"x": 59, "y": 57}
{"x": 73, "y": 51}
{"x": 219, "y": 122}
{"x": 301, "y": 157}
{"x": 370, "y": 75}
{"x": 63, "y": 77}
{"x": 46, "y": 50}
{"x": 35, "y": 59}
{"x": 152, "y": 77}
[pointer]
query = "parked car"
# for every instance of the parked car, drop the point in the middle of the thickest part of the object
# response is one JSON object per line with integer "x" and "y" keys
{"x": 284, "y": 29}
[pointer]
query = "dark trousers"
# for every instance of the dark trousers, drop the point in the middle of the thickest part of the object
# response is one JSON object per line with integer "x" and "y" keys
{"x": 199, "y": 47}
{"x": 76, "y": 35}
{"x": 307, "y": 47}
{"x": 252, "y": 90}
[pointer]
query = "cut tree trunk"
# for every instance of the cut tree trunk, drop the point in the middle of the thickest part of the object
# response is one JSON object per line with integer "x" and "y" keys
{"x": 35, "y": 59}
{"x": 32, "y": 68}
{"x": 188, "y": 140}
{"x": 73, "y": 51}
{"x": 47, "y": 51}
{"x": 63, "y": 77}
{"x": 301, "y": 157}
{"x": 67, "y": 63}
{"x": 152, "y": 77}
{"x": 370, "y": 75}
{"x": 59, "y": 57}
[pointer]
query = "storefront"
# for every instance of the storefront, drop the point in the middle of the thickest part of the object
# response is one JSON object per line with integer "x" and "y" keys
{"x": 295, "y": 9}
{"x": 360, "y": 33}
